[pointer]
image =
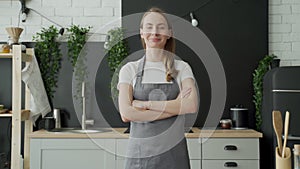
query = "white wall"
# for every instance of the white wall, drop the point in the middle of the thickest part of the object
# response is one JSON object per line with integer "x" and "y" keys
{"x": 102, "y": 15}
{"x": 284, "y": 31}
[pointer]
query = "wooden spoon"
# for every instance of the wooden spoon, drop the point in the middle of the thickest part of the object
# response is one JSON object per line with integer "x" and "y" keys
{"x": 277, "y": 124}
{"x": 286, "y": 131}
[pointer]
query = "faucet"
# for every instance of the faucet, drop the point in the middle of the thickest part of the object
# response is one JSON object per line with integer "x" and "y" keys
{"x": 84, "y": 122}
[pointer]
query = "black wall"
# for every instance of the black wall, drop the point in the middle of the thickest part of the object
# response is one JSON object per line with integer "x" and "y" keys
{"x": 238, "y": 29}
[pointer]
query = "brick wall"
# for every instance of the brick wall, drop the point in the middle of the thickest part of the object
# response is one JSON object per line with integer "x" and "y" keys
{"x": 284, "y": 31}
{"x": 102, "y": 15}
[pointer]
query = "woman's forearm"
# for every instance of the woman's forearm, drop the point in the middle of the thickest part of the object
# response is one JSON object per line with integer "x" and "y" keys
{"x": 175, "y": 107}
{"x": 137, "y": 114}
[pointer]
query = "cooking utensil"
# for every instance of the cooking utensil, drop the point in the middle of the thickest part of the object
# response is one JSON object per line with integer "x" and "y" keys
{"x": 286, "y": 130}
{"x": 277, "y": 125}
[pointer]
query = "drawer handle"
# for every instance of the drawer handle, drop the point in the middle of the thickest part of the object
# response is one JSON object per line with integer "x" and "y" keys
{"x": 230, "y": 148}
{"x": 230, "y": 164}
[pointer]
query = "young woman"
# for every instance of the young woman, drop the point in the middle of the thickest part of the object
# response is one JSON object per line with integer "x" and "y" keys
{"x": 154, "y": 93}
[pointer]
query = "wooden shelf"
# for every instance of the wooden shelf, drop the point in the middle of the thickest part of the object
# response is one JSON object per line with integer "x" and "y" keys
{"x": 25, "y": 57}
{"x": 5, "y": 115}
{"x": 24, "y": 114}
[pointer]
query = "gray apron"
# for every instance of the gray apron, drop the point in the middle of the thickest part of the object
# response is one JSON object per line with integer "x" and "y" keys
{"x": 157, "y": 144}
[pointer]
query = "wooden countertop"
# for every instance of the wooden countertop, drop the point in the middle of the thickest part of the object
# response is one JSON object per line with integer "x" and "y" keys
{"x": 119, "y": 133}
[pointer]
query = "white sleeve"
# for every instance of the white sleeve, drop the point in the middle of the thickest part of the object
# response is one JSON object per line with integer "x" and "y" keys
{"x": 126, "y": 75}
{"x": 186, "y": 72}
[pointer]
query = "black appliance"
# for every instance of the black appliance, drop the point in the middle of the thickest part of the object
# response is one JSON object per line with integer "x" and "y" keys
{"x": 281, "y": 91}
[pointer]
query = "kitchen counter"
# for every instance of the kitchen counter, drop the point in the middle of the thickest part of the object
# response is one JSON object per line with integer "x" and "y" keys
{"x": 119, "y": 133}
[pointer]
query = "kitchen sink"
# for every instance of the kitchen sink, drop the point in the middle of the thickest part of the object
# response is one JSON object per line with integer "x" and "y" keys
{"x": 79, "y": 130}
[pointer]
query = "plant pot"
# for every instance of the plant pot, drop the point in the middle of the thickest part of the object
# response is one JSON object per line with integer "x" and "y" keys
{"x": 275, "y": 63}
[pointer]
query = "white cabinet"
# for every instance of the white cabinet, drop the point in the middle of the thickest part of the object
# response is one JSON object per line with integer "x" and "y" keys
{"x": 101, "y": 153}
{"x": 72, "y": 153}
{"x": 242, "y": 153}
{"x": 194, "y": 149}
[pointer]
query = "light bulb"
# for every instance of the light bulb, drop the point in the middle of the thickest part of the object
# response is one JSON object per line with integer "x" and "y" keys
{"x": 194, "y": 21}
{"x": 23, "y": 17}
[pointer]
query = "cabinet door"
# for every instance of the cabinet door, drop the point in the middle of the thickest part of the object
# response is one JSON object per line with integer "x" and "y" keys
{"x": 230, "y": 148}
{"x": 227, "y": 164}
{"x": 195, "y": 164}
{"x": 194, "y": 148}
{"x": 121, "y": 148}
{"x": 72, "y": 153}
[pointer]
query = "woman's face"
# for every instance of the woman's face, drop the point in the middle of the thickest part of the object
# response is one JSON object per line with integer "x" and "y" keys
{"x": 155, "y": 31}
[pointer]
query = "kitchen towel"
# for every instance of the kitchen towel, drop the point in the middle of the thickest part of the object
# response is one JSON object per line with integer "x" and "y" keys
{"x": 39, "y": 104}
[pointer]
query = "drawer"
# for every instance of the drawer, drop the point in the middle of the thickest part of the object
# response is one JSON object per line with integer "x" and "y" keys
{"x": 194, "y": 148}
{"x": 237, "y": 148}
{"x": 121, "y": 147}
{"x": 226, "y": 164}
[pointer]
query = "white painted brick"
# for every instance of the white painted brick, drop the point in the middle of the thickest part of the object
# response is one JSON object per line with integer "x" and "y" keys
{"x": 277, "y": 28}
{"x": 295, "y": 63}
{"x": 86, "y": 3}
{"x": 98, "y": 11}
{"x": 294, "y": 55}
{"x": 5, "y": 4}
{"x": 280, "y": 9}
{"x": 46, "y": 11}
{"x": 296, "y": 46}
{"x": 63, "y": 21}
{"x": 275, "y": 37}
{"x": 3, "y": 38}
{"x": 5, "y": 21}
{"x": 111, "y": 3}
{"x": 16, "y": 4}
{"x": 274, "y": 18}
{"x": 290, "y": 1}
{"x": 296, "y": 9}
{"x": 56, "y": 3}
{"x": 295, "y": 18}
{"x": 296, "y": 28}
{"x": 117, "y": 12}
{"x": 33, "y": 29}
{"x": 280, "y": 46}
{"x": 285, "y": 63}
{"x": 26, "y": 38}
{"x": 88, "y": 21}
{"x": 9, "y": 11}
{"x": 30, "y": 20}
{"x": 292, "y": 37}
{"x": 276, "y": 53}
{"x": 34, "y": 3}
{"x": 274, "y": 2}
{"x": 68, "y": 12}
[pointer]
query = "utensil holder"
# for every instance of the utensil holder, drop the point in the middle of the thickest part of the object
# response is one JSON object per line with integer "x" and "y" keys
{"x": 283, "y": 163}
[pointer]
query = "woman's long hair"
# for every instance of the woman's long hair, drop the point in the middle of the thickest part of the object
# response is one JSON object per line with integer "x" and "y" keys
{"x": 169, "y": 48}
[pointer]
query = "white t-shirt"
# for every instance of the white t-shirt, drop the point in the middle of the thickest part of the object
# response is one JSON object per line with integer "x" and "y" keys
{"x": 154, "y": 72}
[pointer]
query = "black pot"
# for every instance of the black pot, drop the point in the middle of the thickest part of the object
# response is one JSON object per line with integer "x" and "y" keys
{"x": 239, "y": 117}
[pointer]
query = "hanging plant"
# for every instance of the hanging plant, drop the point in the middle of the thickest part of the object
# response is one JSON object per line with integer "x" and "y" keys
{"x": 48, "y": 53}
{"x": 258, "y": 76}
{"x": 117, "y": 50}
{"x": 76, "y": 41}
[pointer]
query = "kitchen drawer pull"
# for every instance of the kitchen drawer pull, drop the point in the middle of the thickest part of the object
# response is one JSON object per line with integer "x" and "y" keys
{"x": 230, "y": 147}
{"x": 230, "y": 164}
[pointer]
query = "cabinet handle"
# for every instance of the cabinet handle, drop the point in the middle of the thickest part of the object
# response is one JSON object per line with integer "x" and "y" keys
{"x": 230, "y": 147}
{"x": 230, "y": 164}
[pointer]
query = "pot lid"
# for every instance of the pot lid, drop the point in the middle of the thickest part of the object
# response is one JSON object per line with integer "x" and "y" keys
{"x": 238, "y": 107}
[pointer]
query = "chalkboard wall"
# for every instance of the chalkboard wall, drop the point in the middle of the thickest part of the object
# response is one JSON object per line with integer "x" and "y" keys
{"x": 238, "y": 29}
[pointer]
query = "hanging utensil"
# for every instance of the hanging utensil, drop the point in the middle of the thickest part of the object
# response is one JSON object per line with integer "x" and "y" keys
{"x": 286, "y": 130}
{"x": 277, "y": 124}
